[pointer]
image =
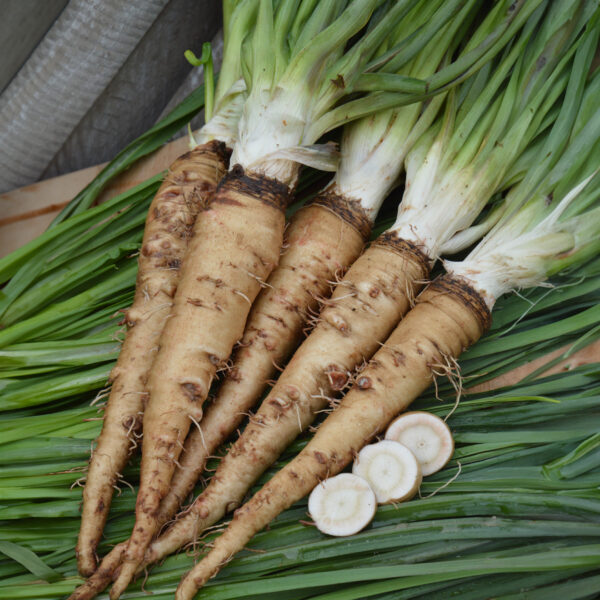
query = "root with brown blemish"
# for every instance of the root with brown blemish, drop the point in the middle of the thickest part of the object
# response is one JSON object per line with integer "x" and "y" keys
{"x": 170, "y": 215}
{"x": 235, "y": 245}
{"x": 306, "y": 385}
{"x": 448, "y": 318}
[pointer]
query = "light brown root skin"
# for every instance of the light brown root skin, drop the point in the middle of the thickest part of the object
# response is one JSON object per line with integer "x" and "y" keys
{"x": 320, "y": 247}
{"x": 363, "y": 310}
{"x": 447, "y": 319}
{"x": 235, "y": 245}
{"x": 190, "y": 184}
{"x": 103, "y": 575}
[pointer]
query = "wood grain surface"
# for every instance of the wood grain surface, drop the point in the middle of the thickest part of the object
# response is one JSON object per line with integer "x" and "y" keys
{"x": 26, "y": 212}
{"x": 587, "y": 355}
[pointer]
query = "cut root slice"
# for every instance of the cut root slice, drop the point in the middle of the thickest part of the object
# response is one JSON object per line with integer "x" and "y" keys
{"x": 391, "y": 469}
{"x": 342, "y": 505}
{"x": 427, "y": 436}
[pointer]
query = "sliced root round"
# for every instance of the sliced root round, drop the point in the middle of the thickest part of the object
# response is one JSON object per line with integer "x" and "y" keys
{"x": 342, "y": 505}
{"x": 427, "y": 436}
{"x": 391, "y": 469}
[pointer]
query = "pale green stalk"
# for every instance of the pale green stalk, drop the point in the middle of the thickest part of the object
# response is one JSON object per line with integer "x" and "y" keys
{"x": 373, "y": 148}
{"x": 459, "y": 165}
{"x": 307, "y": 96}
{"x": 540, "y": 156}
{"x": 224, "y": 104}
{"x": 546, "y": 229}
{"x": 499, "y": 33}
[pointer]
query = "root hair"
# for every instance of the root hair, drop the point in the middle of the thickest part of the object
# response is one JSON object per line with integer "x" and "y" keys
{"x": 445, "y": 485}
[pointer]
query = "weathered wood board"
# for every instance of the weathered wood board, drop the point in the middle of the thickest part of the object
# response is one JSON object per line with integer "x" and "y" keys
{"x": 26, "y": 212}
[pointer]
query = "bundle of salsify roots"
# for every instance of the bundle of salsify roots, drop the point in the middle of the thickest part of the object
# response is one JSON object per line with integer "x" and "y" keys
{"x": 488, "y": 109}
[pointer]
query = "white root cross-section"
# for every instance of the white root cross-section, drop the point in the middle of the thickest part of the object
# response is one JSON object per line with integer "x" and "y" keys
{"x": 427, "y": 436}
{"x": 342, "y": 505}
{"x": 391, "y": 469}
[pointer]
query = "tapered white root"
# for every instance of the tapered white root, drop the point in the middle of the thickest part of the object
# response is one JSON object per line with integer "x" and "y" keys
{"x": 448, "y": 318}
{"x": 322, "y": 241}
{"x": 187, "y": 189}
{"x": 235, "y": 246}
{"x": 102, "y": 576}
{"x": 363, "y": 309}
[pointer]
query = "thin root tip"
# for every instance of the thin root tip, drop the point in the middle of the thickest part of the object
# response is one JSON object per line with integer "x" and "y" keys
{"x": 186, "y": 589}
{"x": 114, "y": 594}
{"x": 189, "y": 586}
{"x": 83, "y": 592}
{"x": 86, "y": 564}
{"x": 123, "y": 580}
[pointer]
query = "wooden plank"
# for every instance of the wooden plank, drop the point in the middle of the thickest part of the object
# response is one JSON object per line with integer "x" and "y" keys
{"x": 589, "y": 354}
{"x": 26, "y": 212}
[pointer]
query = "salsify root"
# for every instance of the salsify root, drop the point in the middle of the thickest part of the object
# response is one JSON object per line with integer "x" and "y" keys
{"x": 365, "y": 306}
{"x": 235, "y": 245}
{"x": 322, "y": 240}
{"x": 102, "y": 576}
{"x": 187, "y": 188}
{"x": 448, "y": 318}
